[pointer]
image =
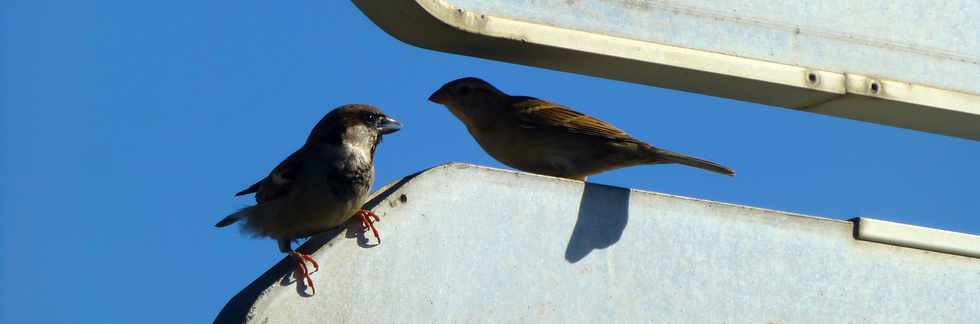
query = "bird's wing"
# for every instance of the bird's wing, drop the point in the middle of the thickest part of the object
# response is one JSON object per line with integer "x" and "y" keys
{"x": 279, "y": 182}
{"x": 252, "y": 189}
{"x": 536, "y": 113}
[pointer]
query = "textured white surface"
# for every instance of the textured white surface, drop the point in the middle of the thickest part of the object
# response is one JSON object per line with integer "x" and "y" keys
{"x": 911, "y": 64}
{"x": 918, "y": 237}
{"x": 934, "y": 43}
{"x": 471, "y": 244}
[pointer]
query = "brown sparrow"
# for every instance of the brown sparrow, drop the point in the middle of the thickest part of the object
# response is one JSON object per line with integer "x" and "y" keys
{"x": 537, "y": 136}
{"x": 321, "y": 185}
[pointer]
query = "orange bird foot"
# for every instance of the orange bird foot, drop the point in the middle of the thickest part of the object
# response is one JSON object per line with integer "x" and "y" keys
{"x": 303, "y": 271}
{"x": 366, "y": 222}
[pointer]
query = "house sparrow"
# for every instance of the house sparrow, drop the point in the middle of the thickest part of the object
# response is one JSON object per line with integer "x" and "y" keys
{"x": 537, "y": 136}
{"x": 321, "y": 185}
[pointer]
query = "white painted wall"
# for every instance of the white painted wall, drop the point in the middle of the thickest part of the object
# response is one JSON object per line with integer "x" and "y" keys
{"x": 463, "y": 243}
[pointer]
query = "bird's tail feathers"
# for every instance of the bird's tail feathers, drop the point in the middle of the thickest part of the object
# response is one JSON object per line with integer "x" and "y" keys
{"x": 231, "y": 219}
{"x": 670, "y": 156}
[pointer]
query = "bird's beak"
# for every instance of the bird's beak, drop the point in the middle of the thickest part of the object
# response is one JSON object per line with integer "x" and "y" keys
{"x": 389, "y": 125}
{"x": 439, "y": 96}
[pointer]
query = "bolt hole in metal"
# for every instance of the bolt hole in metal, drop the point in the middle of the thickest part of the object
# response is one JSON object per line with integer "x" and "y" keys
{"x": 812, "y": 77}
{"x": 874, "y": 87}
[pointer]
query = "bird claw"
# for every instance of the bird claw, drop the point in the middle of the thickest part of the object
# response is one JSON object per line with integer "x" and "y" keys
{"x": 366, "y": 222}
{"x": 303, "y": 270}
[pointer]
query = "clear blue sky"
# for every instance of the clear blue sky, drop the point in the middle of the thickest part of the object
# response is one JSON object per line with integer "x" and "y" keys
{"x": 126, "y": 127}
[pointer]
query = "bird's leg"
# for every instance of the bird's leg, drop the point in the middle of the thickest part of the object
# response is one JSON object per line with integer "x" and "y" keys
{"x": 366, "y": 222}
{"x": 306, "y": 257}
{"x": 303, "y": 270}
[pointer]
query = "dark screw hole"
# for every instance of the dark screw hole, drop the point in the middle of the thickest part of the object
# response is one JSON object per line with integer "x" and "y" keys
{"x": 403, "y": 198}
{"x": 874, "y": 87}
{"x": 812, "y": 77}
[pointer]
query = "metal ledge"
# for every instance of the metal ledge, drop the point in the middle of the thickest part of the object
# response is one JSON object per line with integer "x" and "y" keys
{"x": 441, "y": 26}
{"x": 917, "y": 237}
{"x": 492, "y": 251}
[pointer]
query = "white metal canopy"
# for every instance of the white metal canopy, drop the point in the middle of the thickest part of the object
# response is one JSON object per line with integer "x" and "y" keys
{"x": 904, "y": 63}
{"x": 514, "y": 247}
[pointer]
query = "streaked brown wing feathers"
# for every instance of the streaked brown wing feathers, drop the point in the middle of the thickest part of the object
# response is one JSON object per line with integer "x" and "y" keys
{"x": 536, "y": 113}
{"x": 279, "y": 182}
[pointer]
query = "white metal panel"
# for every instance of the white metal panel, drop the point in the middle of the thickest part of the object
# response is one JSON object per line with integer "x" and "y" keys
{"x": 838, "y": 57}
{"x": 503, "y": 246}
{"x": 935, "y": 43}
{"x": 917, "y": 237}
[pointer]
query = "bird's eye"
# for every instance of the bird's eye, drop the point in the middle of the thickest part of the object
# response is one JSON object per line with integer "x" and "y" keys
{"x": 464, "y": 90}
{"x": 373, "y": 117}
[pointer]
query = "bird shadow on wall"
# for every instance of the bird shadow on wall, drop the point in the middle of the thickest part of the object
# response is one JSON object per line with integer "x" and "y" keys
{"x": 602, "y": 216}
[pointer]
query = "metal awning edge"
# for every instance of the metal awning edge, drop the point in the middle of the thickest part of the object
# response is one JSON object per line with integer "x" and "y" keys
{"x": 437, "y": 25}
{"x": 258, "y": 295}
{"x": 924, "y": 238}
